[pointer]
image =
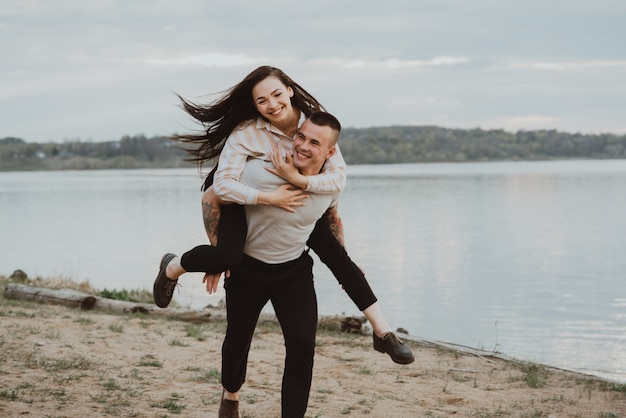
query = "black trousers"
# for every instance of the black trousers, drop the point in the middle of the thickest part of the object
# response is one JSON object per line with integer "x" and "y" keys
{"x": 289, "y": 287}
{"x": 231, "y": 235}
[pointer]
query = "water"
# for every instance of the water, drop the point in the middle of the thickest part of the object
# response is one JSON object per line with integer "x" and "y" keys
{"x": 526, "y": 258}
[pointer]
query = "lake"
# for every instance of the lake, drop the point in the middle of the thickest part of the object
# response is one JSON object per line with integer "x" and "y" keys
{"x": 526, "y": 258}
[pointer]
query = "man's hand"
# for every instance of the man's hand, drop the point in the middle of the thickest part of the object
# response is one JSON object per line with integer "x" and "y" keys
{"x": 285, "y": 197}
{"x": 213, "y": 280}
{"x": 285, "y": 169}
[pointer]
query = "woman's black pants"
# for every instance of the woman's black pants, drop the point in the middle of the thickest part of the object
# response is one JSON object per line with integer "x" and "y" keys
{"x": 231, "y": 235}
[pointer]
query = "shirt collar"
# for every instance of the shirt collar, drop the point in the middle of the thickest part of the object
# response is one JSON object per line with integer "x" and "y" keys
{"x": 262, "y": 123}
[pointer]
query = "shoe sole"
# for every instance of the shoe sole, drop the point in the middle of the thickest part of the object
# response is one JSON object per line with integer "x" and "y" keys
{"x": 395, "y": 360}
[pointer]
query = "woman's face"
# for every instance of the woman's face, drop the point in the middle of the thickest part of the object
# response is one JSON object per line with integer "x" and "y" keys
{"x": 273, "y": 101}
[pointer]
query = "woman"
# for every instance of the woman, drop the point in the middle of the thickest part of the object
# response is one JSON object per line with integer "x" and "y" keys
{"x": 269, "y": 96}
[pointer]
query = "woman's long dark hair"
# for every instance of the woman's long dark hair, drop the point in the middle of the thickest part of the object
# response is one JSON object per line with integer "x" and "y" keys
{"x": 235, "y": 106}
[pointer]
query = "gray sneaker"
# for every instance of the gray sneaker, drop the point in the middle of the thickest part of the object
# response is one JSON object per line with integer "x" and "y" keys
{"x": 163, "y": 289}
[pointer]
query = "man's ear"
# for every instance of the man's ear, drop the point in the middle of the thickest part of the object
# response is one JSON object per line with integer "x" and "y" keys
{"x": 331, "y": 152}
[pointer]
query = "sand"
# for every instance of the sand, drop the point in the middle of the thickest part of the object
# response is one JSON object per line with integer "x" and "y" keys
{"x": 63, "y": 362}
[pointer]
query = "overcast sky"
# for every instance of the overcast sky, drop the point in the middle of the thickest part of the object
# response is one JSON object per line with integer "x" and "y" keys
{"x": 100, "y": 69}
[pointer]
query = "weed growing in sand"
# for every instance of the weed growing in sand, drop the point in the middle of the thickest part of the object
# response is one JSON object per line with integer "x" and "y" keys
{"x": 208, "y": 376}
{"x": 52, "y": 335}
{"x": 102, "y": 398}
{"x": 178, "y": 343}
{"x": 33, "y": 330}
{"x": 367, "y": 404}
{"x": 119, "y": 328}
{"x": 171, "y": 404}
{"x": 444, "y": 389}
{"x": 136, "y": 374}
{"x": 459, "y": 378}
{"x": 111, "y": 385}
{"x": 615, "y": 387}
{"x": 534, "y": 374}
{"x": 57, "y": 365}
{"x": 84, "y": 321}
{"x": 251, "y": 398}
{"x": 195, "y": 331}
{"x": 21, "y": 389}
{"x": 9, "y": 395}
{"x": 345, "y": 410}
{"x": 149, "y": 361}
{"x": 61, "y": 396}
{"x": 366, "y": 371}
{"x": 60, "y": 380}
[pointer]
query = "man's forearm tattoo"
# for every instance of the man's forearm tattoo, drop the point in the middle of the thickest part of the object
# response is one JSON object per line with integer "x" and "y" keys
{"x": 211, "y": 218}
{"x": 336, "y": 227}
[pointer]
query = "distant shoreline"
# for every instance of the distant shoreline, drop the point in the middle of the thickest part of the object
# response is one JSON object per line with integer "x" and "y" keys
{"x": 376, "y": 145}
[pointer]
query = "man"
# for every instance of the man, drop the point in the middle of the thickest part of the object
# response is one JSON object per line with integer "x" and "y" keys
{"x": 277, "y": 268}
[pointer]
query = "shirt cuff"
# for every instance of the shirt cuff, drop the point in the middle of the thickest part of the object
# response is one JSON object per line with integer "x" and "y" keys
{"x": 253, "y": 197}
{"x": 311, "y": 184}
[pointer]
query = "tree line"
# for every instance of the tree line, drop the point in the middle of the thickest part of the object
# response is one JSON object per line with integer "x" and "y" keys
{"x": 376, "y": 145}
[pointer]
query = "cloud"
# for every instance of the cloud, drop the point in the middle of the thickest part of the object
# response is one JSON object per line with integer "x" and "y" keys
{"x": 573, "y": 66}
{"x": 523, "y": 122}
{"x": 566, "y": 65}
{"x": 237, "y": 60}
{"x": 392, "y": 63}
{"x": 396, "y": 63}
{"x": 436, "y": 102}
{"x": 210, "y": 60}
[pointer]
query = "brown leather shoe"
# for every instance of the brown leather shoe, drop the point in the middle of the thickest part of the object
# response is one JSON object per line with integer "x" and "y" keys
{"x": 228, "y": 409}
{"x": 398, "y": 351}
{"x": 163, "y": 288}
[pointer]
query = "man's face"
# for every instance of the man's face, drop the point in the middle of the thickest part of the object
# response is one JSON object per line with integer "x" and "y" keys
{"x": 312, "y": 145}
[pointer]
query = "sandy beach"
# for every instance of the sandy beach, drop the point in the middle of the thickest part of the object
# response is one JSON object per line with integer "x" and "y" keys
{"x": 64, "y": 362}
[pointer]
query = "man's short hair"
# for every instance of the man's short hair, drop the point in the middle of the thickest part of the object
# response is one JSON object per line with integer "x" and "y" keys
{"x": 325, "y": 119}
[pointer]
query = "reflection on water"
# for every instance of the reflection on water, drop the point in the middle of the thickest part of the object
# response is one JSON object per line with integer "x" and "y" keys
{"x": 525, "y": 258}
{"x": 502, "y": 255}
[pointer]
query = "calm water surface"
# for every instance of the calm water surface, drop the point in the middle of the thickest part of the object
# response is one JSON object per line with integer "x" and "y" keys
{"x": 525, "y": 258}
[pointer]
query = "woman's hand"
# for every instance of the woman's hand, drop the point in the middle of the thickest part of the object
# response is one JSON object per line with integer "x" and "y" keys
{"x": 285, "y": 197}
{"x": 285, "y": 169}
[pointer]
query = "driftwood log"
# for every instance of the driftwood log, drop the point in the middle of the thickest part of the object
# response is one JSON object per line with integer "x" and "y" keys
{"x": 65, "y": 297}
{"x": 87, "y": 302}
